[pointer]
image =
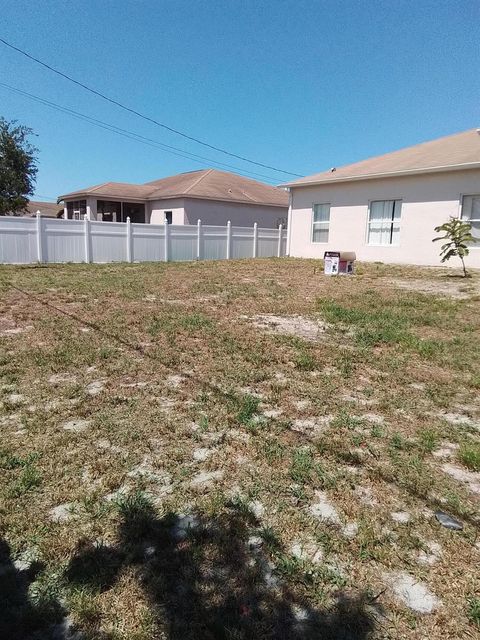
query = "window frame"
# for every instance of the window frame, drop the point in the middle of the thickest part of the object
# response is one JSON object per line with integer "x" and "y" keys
{"x": 320, "y": 224}
{"x": 369, "y": 210}
{"x": 76, "y": 212}
{"x": 473, "y": 245}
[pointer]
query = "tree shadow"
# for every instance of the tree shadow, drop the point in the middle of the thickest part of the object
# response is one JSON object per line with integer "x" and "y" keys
{"x": 20, "y": 616}
{"x": 209, "y": 578}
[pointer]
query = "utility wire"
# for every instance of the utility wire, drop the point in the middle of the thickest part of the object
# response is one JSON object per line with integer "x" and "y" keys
{"x": 38, "y": 195}
{"x": 130, "y": 134}
{"x": 141, "y": 115}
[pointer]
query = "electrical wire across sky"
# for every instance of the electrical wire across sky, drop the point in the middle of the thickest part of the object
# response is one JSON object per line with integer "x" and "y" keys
{"x": 141, "y": 115}
{"x": 134, "y": 136}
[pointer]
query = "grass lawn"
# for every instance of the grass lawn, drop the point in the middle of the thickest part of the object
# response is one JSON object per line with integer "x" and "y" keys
{"x": 238, "y": 450}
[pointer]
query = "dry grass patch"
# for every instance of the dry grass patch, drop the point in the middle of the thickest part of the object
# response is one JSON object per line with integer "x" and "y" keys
{"x": 244, "y": 449}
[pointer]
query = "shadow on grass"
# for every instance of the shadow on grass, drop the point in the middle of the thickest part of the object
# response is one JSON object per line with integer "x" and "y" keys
{"x": 21, "y": 615}
{"x": 207, "y": 579}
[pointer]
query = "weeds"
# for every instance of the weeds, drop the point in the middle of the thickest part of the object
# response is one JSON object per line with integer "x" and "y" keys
{"x": 195, "y": 322}
{"x": 473, "y": 609}
{"x": 469, "y": 455}
{"x": 304, "y": 361}
{"x": 248, "y": 409}
{"x": 344, "y": 420}
{"x": 273, "y": 450}
{"x": 428, "y": 440}
{"x": 398, "y": 442}
{"x": 29, "y": 478}
{"x": 376, "y": 431}
{"x": 302, "y": 466}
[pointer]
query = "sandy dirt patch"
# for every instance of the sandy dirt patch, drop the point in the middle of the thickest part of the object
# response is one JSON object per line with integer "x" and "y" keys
{"x": 470, "y": 478}
{"x": 291, "y": 325}
{"x": 458, "y": 288}
{"x": 415, "y": 595}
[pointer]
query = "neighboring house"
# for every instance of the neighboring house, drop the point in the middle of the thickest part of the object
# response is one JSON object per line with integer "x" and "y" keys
{"x": 214, "y": 197}
{"x": 46, "y": 209}
{"x": 386, "y": 208}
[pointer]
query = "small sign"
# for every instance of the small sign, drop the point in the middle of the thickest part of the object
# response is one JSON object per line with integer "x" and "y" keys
{"x": 332, "y": 262}
{"x": 338, "y": 262}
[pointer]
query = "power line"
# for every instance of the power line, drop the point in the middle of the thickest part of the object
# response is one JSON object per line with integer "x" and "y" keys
{"x": 141, "y": 115}
{"x": 38, "y": 195}
{"x": 131, "y": 134}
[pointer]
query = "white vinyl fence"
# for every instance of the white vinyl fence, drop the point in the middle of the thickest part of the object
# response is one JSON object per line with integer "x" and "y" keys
{"x": 28, "y": 240}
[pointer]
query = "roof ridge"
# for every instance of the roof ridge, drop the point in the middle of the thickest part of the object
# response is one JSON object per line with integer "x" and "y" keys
{"x": 195, "y": 182}
{"x": 248, "y": 196}
{"x": 92, "y": 189}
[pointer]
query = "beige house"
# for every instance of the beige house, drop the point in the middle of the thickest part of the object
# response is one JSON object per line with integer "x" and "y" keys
{"x": 386, "y": 208}
{"x": 214, "y": 197}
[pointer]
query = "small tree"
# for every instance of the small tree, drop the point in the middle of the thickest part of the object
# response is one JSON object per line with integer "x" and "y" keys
{"x": 18, "y": 167}
{"x": 458, "y": 234}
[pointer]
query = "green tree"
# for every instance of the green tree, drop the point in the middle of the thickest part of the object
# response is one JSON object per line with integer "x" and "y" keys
{"x": 458, "y": 234}
{"x": 18, "y": 167}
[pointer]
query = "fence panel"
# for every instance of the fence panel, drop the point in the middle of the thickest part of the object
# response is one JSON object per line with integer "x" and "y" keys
{"x": 267, "y": 245}
{"x": 27, "y": 240}
{"x": 148, "y": 242}
{"x": 61, "y": 242}
{"x": 242, "y": 242}
{"x": 214, "y": 243}
{"x": 18, "y": 240}
{"x": 108, "y": 241}
{"x": 183, "y": 242}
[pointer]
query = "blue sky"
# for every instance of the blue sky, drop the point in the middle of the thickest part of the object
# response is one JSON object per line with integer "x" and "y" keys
{"x": 298, "y": 85}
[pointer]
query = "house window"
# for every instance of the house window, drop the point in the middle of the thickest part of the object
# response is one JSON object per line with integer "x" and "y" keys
{"x": 471, "y": 213}
{"x": 321, "y": 222}
{"x": 133, "y": 210}
{"x": 384, "y": 222}
{"x": 76, "y": 209}
{"x": 168, "y": 216}
{"x": 109, "y": 211}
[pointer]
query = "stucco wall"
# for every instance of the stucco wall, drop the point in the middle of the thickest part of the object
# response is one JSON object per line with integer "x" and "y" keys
{"x": 214, "y": 212}
{"x": 156, "y": 211}
{"x": 427, "y": 201}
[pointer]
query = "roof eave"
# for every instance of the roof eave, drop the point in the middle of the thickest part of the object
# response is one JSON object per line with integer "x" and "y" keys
{"x": 153, "y": 198}
{"x": 387, "y": 174}
{"x": 100, "y": 196}
{"x": 190, "y": 196}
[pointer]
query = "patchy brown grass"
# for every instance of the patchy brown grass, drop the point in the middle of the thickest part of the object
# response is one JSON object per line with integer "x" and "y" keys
{"x": 168, "y": 442}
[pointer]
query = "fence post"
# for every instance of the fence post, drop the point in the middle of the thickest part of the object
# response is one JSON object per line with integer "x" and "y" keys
{"x": 86, "y": 229}
{"x": 129, "y": 240}
{"x": 39, "y": 238}
{"x": 279, "y": 247}
{"x": 167, "y": 243}
{"x": 255, "y": 240}
{"x": 199, "y": 239}
{"x": 229, "y": 239}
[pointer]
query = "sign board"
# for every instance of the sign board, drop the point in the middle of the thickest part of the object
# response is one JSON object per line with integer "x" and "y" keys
{"x": 338, "y": 262}
{"x": 332, "y": 263}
